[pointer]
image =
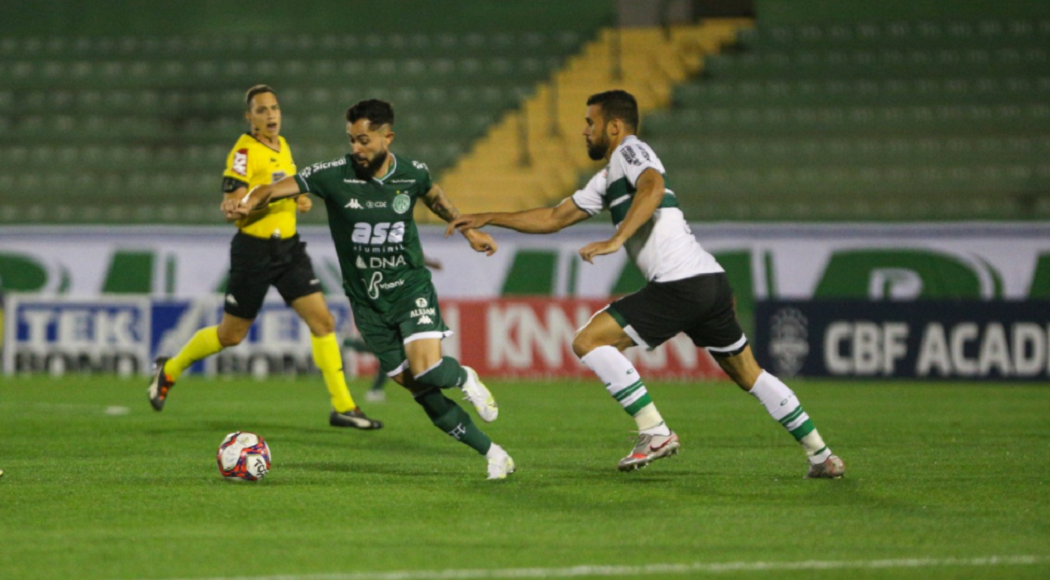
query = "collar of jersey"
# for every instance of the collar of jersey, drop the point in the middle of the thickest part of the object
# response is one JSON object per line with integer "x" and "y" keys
{"x": 627, "y": 140}
{"x": 393, "y": 168}
{"x": 260, "y": 142}
{"x": 622, "y": 144}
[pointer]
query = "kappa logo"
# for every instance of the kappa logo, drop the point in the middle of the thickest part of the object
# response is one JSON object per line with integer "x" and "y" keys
{"x": 425, "y": 320}
{"x": 240, "y": 162}
{"x": 354, "y": 204}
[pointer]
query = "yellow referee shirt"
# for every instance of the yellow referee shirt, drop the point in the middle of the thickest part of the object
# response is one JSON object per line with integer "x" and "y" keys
{"x": 253, "y": 163}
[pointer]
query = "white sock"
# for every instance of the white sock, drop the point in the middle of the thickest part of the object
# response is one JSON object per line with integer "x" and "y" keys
{"x": 494, "y": 452}
{"x": 650, "y": 422}
{"x": 782, "y": 404}
{"x": 622, "y": 381}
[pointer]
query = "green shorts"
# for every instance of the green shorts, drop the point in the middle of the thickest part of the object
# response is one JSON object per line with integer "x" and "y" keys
{"x": 386, "y": 333}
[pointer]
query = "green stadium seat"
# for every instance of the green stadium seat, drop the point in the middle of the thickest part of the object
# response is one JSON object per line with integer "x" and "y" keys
{"x": 159, "y": 113}
{"x": 896, "y": 121}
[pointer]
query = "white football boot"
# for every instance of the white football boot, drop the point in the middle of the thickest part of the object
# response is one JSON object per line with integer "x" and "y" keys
{"x": 479, "y": 396}
{"x": 500, "y": 464}
{"x": 649, "y": 448}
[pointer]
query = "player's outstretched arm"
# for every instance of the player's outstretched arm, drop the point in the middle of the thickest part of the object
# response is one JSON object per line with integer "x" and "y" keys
{"x": 259, "y": 196}
{"x": 234, "y": 197}
{"x": 646, "y": 201}
{"x": 541, "y": 220}
{"x": 439, "y": 203}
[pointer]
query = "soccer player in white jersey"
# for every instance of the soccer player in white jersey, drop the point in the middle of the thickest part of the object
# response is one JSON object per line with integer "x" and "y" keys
{"x": 686, "y": 290}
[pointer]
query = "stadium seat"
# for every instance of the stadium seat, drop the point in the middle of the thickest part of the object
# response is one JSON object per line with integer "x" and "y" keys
{"x": 894, "y": 120}
{"x": 112, "y": 106}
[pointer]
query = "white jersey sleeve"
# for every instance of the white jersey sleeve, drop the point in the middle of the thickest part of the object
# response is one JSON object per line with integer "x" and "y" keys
{"x": 634, "y": 157}
{"x": 589, "y": 199}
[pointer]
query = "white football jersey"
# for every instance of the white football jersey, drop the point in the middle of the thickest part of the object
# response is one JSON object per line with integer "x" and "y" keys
{"x": 664, "y": 248}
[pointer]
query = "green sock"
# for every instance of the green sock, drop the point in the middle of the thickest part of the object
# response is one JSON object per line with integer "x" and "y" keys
{"x": 446, "y": 374}
{"x": 452, "y": 419}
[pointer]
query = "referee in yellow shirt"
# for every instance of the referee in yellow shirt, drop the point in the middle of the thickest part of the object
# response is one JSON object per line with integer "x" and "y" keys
{"x": 266, "y": 251}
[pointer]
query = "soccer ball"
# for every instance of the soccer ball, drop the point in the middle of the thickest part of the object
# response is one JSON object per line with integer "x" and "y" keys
{"x": 244, "y": 456}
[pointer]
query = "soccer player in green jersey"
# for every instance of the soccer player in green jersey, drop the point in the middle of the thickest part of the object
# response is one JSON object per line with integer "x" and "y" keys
{"x": 370, "y": 194}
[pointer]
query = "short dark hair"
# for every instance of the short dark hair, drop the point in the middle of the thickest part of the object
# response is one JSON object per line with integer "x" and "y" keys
{"x": 617, "y": 104}
{"x": 377, "y": 112}
{"x": 256, "y": 90}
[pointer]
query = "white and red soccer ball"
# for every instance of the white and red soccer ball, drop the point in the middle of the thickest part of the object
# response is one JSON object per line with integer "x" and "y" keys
{"x": 244, "y": 456}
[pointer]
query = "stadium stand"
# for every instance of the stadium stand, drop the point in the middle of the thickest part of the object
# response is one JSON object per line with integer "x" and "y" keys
{"x": 879, "y": 120}
{"x": 845, "y": 111}
{"x": 134, "y": 128}
{"x": 543, "y": 136}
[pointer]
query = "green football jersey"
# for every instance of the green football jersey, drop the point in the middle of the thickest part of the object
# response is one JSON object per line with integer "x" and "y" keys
{"x": 373, "y": 228}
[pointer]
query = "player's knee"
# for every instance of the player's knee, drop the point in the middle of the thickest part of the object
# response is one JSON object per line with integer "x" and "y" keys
{"x": 322, "y": 324}
{"x": 583, "y": 343}
{"x": 743, "y": 372}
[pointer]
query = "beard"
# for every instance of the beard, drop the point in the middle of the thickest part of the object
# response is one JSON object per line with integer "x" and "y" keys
{"x": 367, "y": 172}
{"x": 596, "y": 150}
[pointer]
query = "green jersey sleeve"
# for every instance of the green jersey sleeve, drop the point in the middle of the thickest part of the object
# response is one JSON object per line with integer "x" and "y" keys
{"x": 423, "y": 178}
{"x": 319, "y": 178}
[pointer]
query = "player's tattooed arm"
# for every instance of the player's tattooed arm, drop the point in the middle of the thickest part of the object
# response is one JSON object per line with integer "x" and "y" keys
{"x": 258, "y": 197}
{"x": 439, "y": 203}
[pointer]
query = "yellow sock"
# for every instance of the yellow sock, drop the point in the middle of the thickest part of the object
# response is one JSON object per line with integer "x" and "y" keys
{"x": 328, "y": 358}
{"x": 203, "y": 344}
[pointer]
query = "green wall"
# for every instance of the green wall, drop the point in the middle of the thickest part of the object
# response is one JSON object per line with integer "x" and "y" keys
{"x": 122, "y": 17}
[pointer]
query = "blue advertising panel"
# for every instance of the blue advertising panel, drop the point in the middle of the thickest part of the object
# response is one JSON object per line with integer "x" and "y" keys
{"x": 68, "y": 336}
{"x": 958, "y": 340}
{"x": 124, "y": 335}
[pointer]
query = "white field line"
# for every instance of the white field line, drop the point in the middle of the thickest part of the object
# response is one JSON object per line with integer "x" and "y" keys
{"x": 654, "y": 569}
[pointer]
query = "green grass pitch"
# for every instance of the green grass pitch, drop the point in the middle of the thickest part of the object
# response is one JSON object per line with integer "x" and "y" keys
{"x": 943, "y": 481}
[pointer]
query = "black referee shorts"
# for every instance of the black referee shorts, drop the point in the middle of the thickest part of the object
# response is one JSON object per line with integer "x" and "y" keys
{"x": 256, "y": 264}
{"x": 701, "y": 307}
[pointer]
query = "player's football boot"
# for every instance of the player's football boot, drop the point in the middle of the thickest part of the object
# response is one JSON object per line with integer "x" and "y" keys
{"x": 479, "y": 396}
{"x": 160, "y": 385}
{"x": 355, "y": 418}
{"x": 648, "y": 449}
{"x": 831, "y": 468}
{"x": 501, "y": 466}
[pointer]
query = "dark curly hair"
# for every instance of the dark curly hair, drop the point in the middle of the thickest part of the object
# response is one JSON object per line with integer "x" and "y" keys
{"x": 376, "y": 111}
